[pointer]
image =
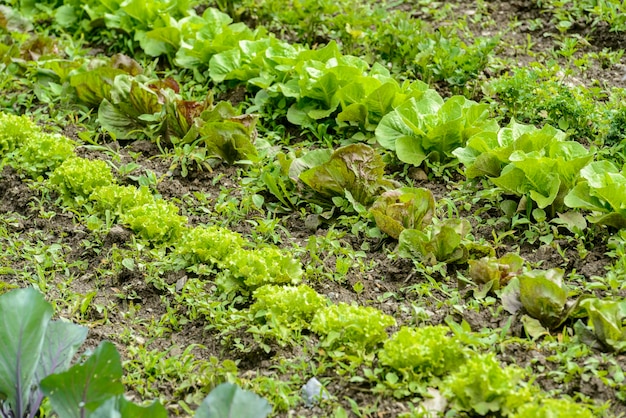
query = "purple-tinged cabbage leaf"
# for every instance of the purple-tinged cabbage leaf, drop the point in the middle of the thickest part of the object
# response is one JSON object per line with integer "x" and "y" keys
{"x": 31, "y": 348}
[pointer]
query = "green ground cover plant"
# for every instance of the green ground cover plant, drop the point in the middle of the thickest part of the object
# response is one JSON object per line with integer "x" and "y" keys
{"x": 342, "y": 191}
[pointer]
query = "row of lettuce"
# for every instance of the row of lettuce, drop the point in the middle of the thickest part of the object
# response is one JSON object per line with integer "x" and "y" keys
{"x": 271, "y": 278}
{"x": 409, "y": 119}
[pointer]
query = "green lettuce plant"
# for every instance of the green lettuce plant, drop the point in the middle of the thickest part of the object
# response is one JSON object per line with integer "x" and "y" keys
{"x": 606, "y": 322}
{"x": 484, "y": 387}
{"x": 285, "y": 310}
{"x": 351, "y": 329}
{"x": 405, "y": 208}
{"x": 431, "y": 128}
{"x": 241, "y": 268}
{"x": 118, "y": 200}
{"x": 553, "y": 408}
{"x": 206, "y": 36}
{"x": 76, "y": 178}
{"x": 367, "y": 99}
{"x": 157, "y": 221}
{"x": 14, "y": 131}
{"x": 41, "y": 153}
{"x": 442, "y": 242}
{"x": 526, "y": 161}
{"x": 602, "y": 190}
{"x": 422, "y": 353}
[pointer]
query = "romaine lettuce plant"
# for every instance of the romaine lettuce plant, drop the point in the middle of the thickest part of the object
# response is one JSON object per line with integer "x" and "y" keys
{"x": 431, "y": 128}
{"x": 351, "y": 329}
{"x": 357, "y": 169}
{"x": 602, "y": 189}
{"x": 442, "y": 242}
{"x": 606, "y": 321}
{"x": 405, "y": 208}
{"x": 526, "y": 161}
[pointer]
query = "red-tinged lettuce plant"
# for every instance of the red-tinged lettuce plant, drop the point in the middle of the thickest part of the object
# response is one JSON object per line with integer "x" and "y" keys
{"x": 227, "y": 134}
{"x": 349, "y": 330}
{"x": 421, "y": 354}
{"x": 602, "y": 190}
{"x": 429, "y": 128}
{"x": 405, "y": 208}
{"x": 605, "y": 325}
{"x": 495, "y": 272}
{"x": 284, "y": 311}
{"x": 357, "y": 169}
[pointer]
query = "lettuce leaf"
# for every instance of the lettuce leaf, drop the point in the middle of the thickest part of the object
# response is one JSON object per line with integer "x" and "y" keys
{"x": 526, "y": 161}
{"x": 356, "y": 168}
{"x": 431, "y": 128}
{"x": 602, "y": 189}
{"x": 403, "y": 208}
